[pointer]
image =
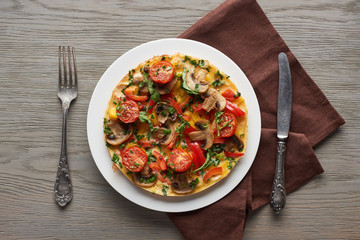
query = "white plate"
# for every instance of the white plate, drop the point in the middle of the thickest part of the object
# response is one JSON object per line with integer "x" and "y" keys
{"x": 102, "y": 94}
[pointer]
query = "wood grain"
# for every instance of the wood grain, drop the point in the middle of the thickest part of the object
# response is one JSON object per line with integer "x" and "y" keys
{"x": 323, "y": 34}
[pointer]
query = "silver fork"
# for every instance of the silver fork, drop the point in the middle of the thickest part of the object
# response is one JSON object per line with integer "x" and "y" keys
{"x": 67, "y": 92}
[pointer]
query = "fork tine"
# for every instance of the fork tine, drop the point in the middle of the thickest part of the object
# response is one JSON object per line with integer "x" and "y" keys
{"x": 75, "y": 70}
{"x": 60, "y": 78}
{"x": 70, "y": 83}
{"x": 65, "y": 70}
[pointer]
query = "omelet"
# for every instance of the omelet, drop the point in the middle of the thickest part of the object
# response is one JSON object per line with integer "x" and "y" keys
{"x": 175, "y": 125}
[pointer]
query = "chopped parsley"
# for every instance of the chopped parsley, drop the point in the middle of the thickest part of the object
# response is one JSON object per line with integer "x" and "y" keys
{"x": 194, "y": 183}
{"x": 185, "y": 86}
{"x": 115, "y": 158}
{"x": 167, "y": 131}
{"x": 164, "y": 190}
{"x": 180, "y": 129}
{"x": 155, "y": 95}
{"x": 231, "y": 162}
{"x": 144, "y": 118}
{"x": 238, "y": 94}
{"x": 107, "y": 129}
{"x": 218, "y": 120}
{"x": 212, "y": 157}
{"x": 171, "y": 110}
{"x": 218, "y": 74}
{"x": 217, "y": 82}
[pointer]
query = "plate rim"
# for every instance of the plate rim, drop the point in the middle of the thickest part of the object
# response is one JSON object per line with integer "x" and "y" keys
{"x": 153, "y": 201}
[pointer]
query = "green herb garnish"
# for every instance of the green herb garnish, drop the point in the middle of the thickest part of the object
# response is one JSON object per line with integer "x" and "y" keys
{"x": 107, "y": 129}
{"x": 155, "y": 96}
{"x": 185, "y": 86}
{"x": 144, "y": 118}
{"x": 115, "y": 158}
{"x": 164, "y": 190}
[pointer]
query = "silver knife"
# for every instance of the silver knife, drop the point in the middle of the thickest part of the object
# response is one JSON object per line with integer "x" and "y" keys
{"x": 278, "y": 192}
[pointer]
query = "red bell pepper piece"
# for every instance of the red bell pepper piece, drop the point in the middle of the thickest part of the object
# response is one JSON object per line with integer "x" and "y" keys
{"x": 160, "y": 160}
{"x": 197, "y": 106}
{"x": 161, "y": 176}
{"x": 129, "y": 92}
{"x": 125, "y": 143}
{"x": 145, "y": 143}
{"x": 233, "y": 154}
{"x": 151, "y": 106}
{"x": 189, "y": 129}
{"x": 195, "y": 156}
{"x": 187, "y": 140}
{"x": 234, "y": 109}
{"x": 229, "y": 94}
{"x": 174, "y": 104}
{"x": 195, "y": 147}
{"x": 187, "y": 100}
{"x": 186, "y": 117}
{"x": 219, "y": 140}
{"x": 172, "y": 143}
{"x": 212, "y": 172}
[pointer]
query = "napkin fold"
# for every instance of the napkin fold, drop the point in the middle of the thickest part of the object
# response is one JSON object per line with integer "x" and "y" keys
{"x": 241, "y": 30}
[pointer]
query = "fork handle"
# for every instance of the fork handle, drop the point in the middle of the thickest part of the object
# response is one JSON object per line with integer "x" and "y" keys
{"x": 63, "y": 187}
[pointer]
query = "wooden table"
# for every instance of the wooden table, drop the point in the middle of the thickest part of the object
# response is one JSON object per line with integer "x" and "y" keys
{"x": 323, "y": 34}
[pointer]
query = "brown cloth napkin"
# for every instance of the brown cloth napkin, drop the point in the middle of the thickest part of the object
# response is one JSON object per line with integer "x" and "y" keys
{"x": 241, "y": 30}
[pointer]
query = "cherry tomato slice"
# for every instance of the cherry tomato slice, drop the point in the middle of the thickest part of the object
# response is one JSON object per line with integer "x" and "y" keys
{"x": 212, "y": 172}
{"x": 229, "y": 120}
{"x": 128, "y": 111}
{"x": 162, "y": 72}
{"x": 179, "y": 160}
{"x": 134, "y": 159}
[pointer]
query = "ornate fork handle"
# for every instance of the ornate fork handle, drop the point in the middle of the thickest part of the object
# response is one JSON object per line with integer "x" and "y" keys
{"x": 278, "y": 191}
{"x": 63, "y": 187}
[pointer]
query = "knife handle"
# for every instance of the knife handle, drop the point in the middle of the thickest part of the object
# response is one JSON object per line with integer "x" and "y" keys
{"x": 278, "y": 192}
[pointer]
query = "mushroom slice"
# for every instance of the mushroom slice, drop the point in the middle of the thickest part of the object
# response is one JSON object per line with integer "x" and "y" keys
{"x": 144, "y": 178}
{"x": 196, "y": 83}
{"x": 164, "y": 113}
{"x": 162, "y": 135}
{"x": 205, "y": 134}
{"x": 166, "y": 88}
{"x": 120, "y": 132}
{"x": 209, "y": 103}
{"x": 182, "y": 184}
{"x": 234, "y": 142}
{"x": 138, "y": 78}
{"x": 213, "y": 99}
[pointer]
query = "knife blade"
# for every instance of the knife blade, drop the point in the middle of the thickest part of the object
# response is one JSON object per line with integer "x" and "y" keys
{"x": 278, "y": 192}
